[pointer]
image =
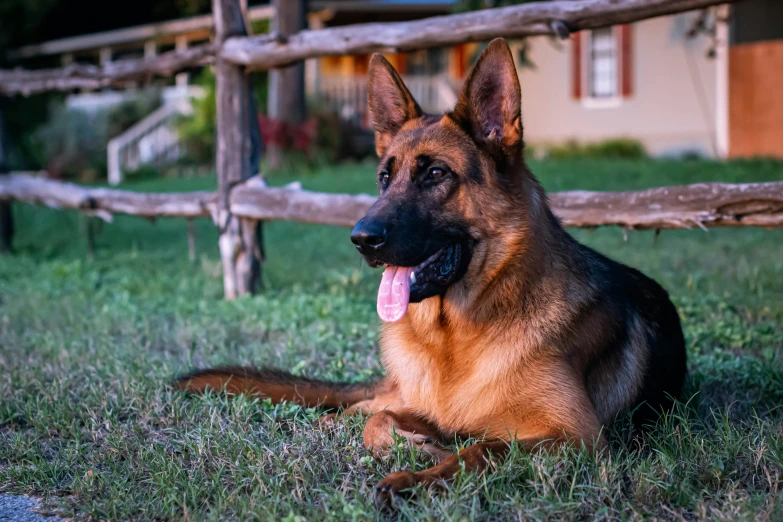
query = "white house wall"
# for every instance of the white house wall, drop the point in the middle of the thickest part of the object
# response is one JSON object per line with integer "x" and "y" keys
{"x": 672, "y": 106}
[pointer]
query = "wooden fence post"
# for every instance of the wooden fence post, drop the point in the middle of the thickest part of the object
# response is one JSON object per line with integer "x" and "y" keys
{"x": 89, "y": 229}
{"x": 6, "y": 217}
{"x": 238, "y": 157}
{"x": 191, "y": 240}
{"x": 287, "y": 84}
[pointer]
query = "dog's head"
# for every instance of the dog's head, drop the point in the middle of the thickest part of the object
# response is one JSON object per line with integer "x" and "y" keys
{"x": 438, "y": 177}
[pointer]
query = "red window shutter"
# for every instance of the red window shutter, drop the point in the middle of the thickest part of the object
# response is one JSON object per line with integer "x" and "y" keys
{"x": 459, "y": 57}
{"x": 626, "y": 55}
{"x": 361, "y": 64}
{"x": 402, "y": 63}
{"x": 576, "y": 65}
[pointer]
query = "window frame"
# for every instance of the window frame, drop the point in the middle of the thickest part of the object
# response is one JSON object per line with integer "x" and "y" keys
{"x": 602, "y": 102}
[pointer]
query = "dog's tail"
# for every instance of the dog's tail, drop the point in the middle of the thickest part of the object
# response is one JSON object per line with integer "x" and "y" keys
{"x": 277, "y": 385}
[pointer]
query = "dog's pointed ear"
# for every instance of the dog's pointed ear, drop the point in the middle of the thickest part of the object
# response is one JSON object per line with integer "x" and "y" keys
{"x": 390, "y": 102}
{"x": 489, "y": 107}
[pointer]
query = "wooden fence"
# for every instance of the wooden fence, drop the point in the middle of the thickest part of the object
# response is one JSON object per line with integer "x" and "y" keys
{"x": 700, "y": 205}
{"x": 243, "y": 201}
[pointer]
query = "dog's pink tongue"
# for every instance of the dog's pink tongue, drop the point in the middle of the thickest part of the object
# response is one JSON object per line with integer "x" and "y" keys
{"x": 394, "y": 293}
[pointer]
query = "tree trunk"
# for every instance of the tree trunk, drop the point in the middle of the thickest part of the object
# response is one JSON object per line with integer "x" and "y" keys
{"x": 238, "y": 155}
{"x": 6, "y": 217}
{"x": 287, "y": 86}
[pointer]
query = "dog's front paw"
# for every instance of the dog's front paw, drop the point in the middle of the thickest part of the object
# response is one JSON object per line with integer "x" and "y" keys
{"x": 327, "y": 422}
{"x": 393, "y": 488}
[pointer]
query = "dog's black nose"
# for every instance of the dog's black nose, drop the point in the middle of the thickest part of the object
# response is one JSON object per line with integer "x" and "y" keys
{"x": 368, "y": 236}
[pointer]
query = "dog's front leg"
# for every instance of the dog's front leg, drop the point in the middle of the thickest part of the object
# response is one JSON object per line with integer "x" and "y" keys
{"x": 382, "y": 427}
{"x": 475, "y": 457}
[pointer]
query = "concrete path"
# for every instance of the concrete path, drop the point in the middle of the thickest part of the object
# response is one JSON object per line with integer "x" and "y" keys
{"x": 21, "y": 509}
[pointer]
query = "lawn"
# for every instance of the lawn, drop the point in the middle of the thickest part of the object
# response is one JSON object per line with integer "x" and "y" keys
{"x": 87, "y": 349}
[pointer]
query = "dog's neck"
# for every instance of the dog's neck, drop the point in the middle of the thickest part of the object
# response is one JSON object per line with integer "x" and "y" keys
{"x": 523, "y": 260}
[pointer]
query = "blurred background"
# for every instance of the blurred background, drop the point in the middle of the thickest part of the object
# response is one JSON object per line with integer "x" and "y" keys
{"x": 695, "y": 85}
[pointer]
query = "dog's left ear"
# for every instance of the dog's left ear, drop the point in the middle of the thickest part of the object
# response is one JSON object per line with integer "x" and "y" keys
{"x": 489, "y": 107}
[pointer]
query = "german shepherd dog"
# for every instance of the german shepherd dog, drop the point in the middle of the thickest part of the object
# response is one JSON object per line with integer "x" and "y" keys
{"x": 496, "y": 322}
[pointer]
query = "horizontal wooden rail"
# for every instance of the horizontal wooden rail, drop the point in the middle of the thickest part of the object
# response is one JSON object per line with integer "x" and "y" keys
{"x": 113, "y": 74}
{"x": 686, "y": 206}
{"x": 558, "y": 17}
{"x": 268, "y": 51}
{"x": 36, "y": 189}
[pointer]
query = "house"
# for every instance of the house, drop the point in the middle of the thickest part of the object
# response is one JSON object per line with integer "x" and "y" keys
{"x": 697, "y": 83}
{"x": 339, "y": 83}
{"x": 649, "y": 81}
{"x": 687, "y": 83}
{"x": 702, "y": 83}
{"x": 752, "y": 79}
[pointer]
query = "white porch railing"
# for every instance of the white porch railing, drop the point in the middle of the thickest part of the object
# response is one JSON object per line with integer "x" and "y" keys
{"x": 347, "y": 96}
{"x": 92, "y": 102}
{"x": 153, "y": 140}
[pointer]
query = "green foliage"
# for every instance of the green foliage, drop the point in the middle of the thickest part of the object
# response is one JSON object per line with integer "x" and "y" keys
{"x": 617, "y": 148}
{"x": 199, "y": 130}
{"x": 72, "y": 143}
{"x": 144, "y": 172}
{"x": 87, "y": 350}
{"x": 24, "y": 22}
{"x": 336, "y": 141}
{"x": 22, "y": 118}
{"x": 259, "y": 26}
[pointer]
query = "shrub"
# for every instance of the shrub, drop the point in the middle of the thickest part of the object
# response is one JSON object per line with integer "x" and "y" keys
{"x": 335, "y": 139}
{"x": 569, "y": 149}
{"x": 625, "y": 148}
{"x": 339, "y": 140}
{"x": 143, "y": 172}
{"x": 617, "y": 148}
{"x": 199, "y": 130}
{"x": 72, "y": 143}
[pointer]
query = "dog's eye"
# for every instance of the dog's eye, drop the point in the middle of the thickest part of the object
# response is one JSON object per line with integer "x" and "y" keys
{"x": 385, "y": 179}
{"x": 437, "y": 172}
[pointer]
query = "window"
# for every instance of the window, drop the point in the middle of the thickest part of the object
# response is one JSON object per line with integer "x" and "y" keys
{"x": 427, "y": 63}
{"x": 602, "y": 64}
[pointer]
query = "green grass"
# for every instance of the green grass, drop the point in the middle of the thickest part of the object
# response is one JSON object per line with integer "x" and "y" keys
{"x": 87, "y": 348}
